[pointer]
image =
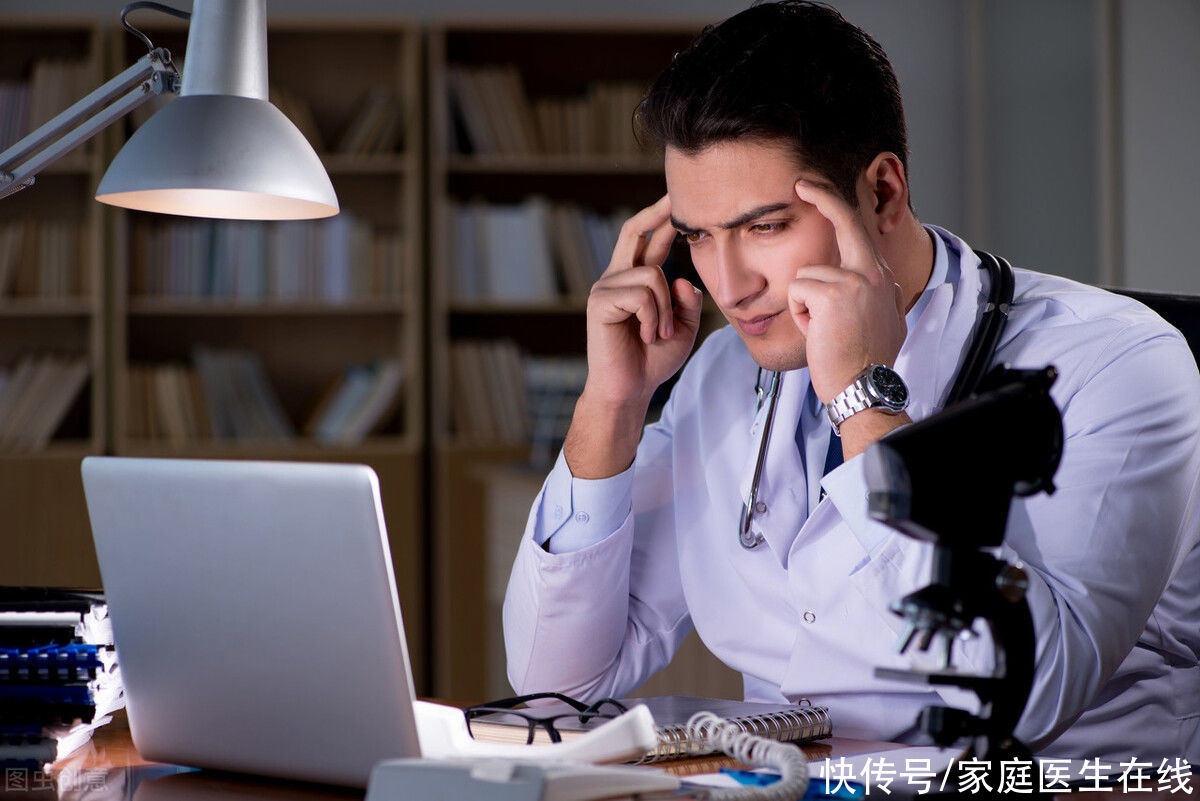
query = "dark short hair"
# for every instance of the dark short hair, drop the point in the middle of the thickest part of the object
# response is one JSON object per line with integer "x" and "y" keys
{"x": 794, "y": 71}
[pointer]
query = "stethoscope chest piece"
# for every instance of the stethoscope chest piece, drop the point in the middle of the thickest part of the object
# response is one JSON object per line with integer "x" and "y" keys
{"x": 750, "y": 540}
{"x": 770, "y": 395}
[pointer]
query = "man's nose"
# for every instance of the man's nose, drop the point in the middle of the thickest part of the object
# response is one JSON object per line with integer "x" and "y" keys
{"x": 737, "y": 283}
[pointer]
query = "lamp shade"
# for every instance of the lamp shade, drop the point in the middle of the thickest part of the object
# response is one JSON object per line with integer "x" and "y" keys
{"x": 220, "y": 156}
{"x": 221, "y": 149}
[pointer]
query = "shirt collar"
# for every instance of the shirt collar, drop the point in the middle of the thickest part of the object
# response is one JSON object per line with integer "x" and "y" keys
{"x": 937, "y": 277}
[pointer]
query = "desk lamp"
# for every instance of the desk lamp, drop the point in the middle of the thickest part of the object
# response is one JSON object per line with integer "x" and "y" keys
{"x": 219, "y": 150}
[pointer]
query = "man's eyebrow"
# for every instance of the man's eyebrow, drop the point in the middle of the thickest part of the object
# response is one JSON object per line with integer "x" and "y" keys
{"x": 737, "y": 222}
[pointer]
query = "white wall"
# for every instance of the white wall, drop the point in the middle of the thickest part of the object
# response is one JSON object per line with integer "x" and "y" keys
{"x": 1039, "y": 118}
{"x": 1160, "y": 76}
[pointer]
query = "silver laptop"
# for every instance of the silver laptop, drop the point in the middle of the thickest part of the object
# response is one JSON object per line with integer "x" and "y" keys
{"x": 255, "y": 614}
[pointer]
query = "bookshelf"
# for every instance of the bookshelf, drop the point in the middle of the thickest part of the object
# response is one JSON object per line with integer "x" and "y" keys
{"x": 52, "y": 311}
{"x": 206, "y": 314}
{"x": 493, "y": 148}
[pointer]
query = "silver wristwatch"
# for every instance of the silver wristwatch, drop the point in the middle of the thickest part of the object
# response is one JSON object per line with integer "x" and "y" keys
{"x": 877, "y": 387}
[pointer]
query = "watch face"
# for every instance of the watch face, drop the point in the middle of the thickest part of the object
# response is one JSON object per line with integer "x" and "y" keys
{"x": 890, "y": 386}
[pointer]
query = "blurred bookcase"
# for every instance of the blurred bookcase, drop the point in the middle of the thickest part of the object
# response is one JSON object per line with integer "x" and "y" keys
{"x": 532, "y": 168}
{"x": 451, "y": 291}
{"x": 52, "y": 311}
{"x": 296, "y": 340}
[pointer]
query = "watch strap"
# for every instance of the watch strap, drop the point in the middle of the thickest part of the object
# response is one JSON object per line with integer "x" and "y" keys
{"x": 849, "y": 402}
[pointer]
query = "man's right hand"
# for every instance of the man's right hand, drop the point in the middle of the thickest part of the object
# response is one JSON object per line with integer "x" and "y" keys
{"x": 639, "y": 331}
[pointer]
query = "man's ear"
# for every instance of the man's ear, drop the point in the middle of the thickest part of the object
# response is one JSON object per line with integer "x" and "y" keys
{"x": 883, "y": 193}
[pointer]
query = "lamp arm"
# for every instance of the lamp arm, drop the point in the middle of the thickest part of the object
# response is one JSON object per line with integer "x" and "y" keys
{"x": 152, "y": 74}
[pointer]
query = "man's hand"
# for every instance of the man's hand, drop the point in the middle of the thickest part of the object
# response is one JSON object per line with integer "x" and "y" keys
{"x": 639, "y": 332}
{"x": 851, "y": 313}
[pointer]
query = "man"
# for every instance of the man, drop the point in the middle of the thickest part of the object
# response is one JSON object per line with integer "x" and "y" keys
{"x": 786, "y": 169}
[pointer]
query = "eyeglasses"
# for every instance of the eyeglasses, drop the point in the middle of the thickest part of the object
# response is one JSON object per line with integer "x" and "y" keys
{"x": 503, "y": 713}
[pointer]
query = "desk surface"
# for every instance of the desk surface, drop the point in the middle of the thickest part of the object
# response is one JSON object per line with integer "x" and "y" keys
{"x": 110, "y": 769}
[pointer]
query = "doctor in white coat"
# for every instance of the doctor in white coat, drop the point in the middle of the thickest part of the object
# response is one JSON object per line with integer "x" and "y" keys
{"x": 822, "y": 269}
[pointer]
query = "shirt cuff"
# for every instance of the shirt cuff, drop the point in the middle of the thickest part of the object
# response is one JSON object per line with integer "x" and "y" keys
{"x": 576, "y": 513}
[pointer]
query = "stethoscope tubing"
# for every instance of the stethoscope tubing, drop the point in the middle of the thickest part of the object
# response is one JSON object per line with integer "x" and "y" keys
{"x": 984, "y": 342}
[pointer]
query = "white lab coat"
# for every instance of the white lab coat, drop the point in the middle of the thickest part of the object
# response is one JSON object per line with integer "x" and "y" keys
{"x": 1112, "y": 555}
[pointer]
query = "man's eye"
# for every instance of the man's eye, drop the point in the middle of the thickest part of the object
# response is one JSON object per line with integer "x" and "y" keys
{"x": 693, "y": 237}
{"x": 768, "y": 228}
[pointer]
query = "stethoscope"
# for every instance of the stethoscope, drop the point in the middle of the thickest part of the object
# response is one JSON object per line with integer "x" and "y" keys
{"x": 984, "y": 341}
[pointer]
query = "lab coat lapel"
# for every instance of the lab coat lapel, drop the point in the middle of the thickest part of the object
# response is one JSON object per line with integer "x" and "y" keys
{"x": 936, "y": 345}
{"x": 783, "y": 488}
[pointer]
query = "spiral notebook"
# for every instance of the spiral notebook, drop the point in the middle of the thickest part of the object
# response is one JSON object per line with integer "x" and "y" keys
{"x": 784, "y": 722}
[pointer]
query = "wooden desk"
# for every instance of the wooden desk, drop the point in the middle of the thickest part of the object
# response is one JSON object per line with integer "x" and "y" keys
{"x": 110, "y": 769}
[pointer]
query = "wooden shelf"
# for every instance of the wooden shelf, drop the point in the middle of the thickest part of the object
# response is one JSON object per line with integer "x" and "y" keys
{"x": 555, "y": 62}
{"x": 47, "y": 307}
{"x": 554, "y": 165}
{"x": 171, "y": 307}
{"x": 563, "y": 306}
{"x": 469, "y": 445}
{"x": 62, "y": 449}
{"x": 271, "y": 449}
{"x": 46, "y": 538}
{"x": 327, "y": 68}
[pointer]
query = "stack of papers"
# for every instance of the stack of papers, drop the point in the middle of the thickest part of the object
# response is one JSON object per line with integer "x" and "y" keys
{"x": 59, "y": 677}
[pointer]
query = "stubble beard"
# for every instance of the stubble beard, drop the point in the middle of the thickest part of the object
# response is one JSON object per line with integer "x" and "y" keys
{"x": 780, "y": 359}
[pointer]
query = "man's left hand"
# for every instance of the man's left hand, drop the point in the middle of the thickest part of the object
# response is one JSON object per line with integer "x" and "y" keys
{"x": 851, "y": 313}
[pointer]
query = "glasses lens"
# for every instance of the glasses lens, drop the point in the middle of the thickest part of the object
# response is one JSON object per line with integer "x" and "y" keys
{"x": 507, "y": 727}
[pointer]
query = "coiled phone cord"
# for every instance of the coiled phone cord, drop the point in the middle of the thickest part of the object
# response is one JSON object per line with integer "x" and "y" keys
{"x": 708, "y": 731}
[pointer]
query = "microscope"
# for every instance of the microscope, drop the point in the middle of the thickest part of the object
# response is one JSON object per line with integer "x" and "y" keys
{"x": 949, "y": 480}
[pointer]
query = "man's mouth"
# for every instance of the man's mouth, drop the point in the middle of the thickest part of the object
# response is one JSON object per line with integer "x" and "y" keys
{"x": 755, "y": 326}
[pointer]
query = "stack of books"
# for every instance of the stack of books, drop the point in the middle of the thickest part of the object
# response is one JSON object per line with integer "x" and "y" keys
{"x": 504, "y": 395}
{"x": 54, "y": 84}
{"x": 493, "y": 115}
{"x": 553, "y": 385}
{"x": 59, "y": 678}
{"x": 225, "y": 395}
{"x": 377, "y": 126}
{"x": 36, "y": 396}
{"x": 489, "y": 399}
{"x": 357, "y": 403}
{"x": 531, "y": 252}
{"x": 340, "y": 259}
{"x": 42, "y": 260}
{"x": 238, "y": 398}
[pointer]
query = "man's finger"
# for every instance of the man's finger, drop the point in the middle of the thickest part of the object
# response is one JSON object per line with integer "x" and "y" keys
{"x": 632, "y": 241}
{"x": 657, "y": 245}
{"x": 617, "y": 305}
{"x": 855, "y": 247}
{"x": 652, "y": 277}
{"x": 823, "y": 272}
{"x": 689, "y": 301}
